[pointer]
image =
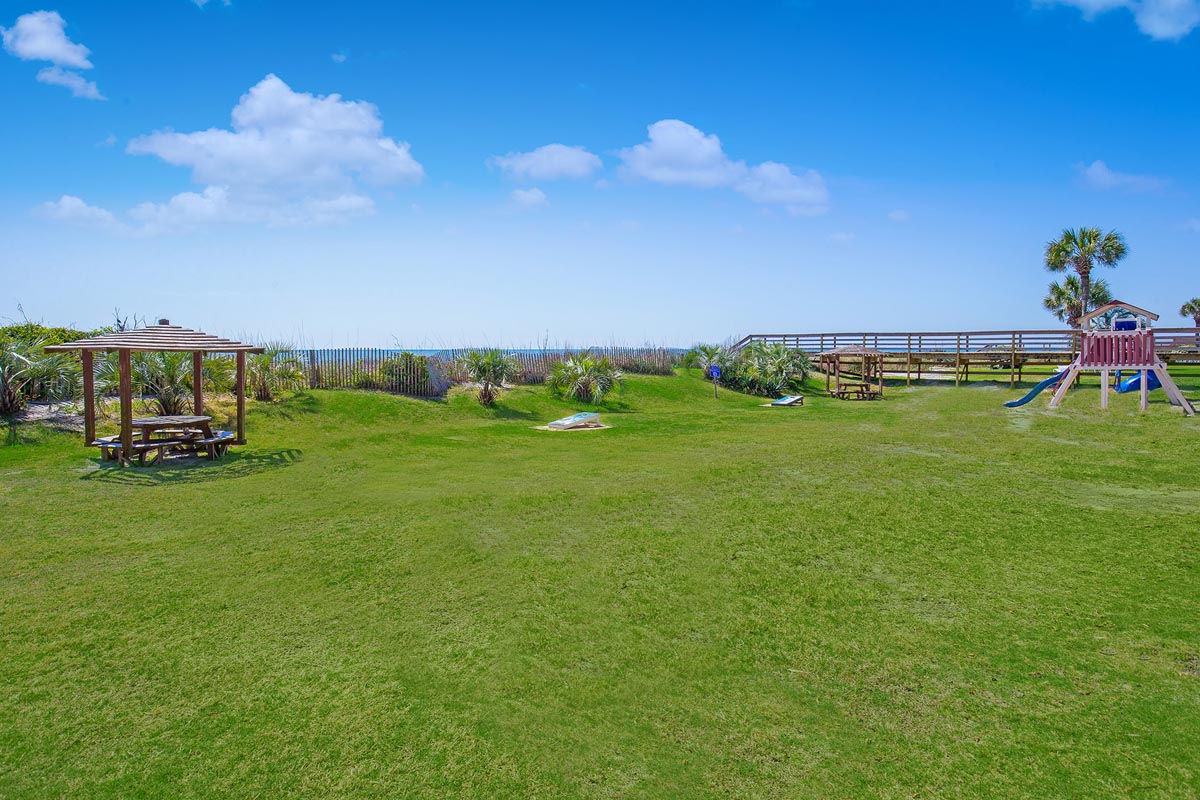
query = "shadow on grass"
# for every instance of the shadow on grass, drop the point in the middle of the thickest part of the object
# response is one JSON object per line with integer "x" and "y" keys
{"x": 235, "y": 464}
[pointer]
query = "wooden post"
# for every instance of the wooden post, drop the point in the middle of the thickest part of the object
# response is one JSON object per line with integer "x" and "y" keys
{"x": 908, "y": 364}
{"x": 1145, "y": 393}
{"x": 89, "y": 397}
{"x": 241, "y": 396}
{"x": 126, "y": 392}
{"x": 197, "y": 383}
{"x": 1103, "y": 388}
{"x": 1012, "y": 363}
{"x": 957, "y": 358}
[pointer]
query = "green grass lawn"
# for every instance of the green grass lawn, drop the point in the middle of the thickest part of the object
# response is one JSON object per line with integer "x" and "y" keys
{"x": 930, "y": 596}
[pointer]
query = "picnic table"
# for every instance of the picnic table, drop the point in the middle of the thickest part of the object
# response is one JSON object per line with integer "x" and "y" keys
{"x": 863, "y": 391}
{"x": 187, "y": 426}
{"x": 163, "y": 434}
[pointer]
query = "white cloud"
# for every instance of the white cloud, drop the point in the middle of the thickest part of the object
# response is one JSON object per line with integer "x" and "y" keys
{"x": 899, "y": 215}
{"x": 79, "y": 86}
{"x": 1097, "y": 175}
{"x": 40, "y": 36}
{"x": 1158, "y": 19}
{"x": 547, "y": 163}
{"x": 525, "y": 199}
{"x": 339, "y": 58}
{"x": 203, "y": 3}
{"x": 69, "y": 208}
{"x": 291, "y": 158}
{"x": 678, "y": 154}
{"x": 771, "y": 183}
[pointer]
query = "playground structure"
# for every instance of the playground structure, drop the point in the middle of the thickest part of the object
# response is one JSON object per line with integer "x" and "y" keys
{"x": 863, "y": 364}
{"x": 1128, "y": 345}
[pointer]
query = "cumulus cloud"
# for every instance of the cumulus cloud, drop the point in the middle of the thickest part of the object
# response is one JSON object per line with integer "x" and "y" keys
{"x": 41, "y": 36}
{"x": 69, "y": 208}
{"x": 79, "y": 86}
{"x": 525, "y": 199}
{"x": 1158, "y": 19}
{"x": 547, "y": 163}
{"x": 678, "y": 154}
{"x": 1097, "y": 175}
{"x": 289, "y": 158}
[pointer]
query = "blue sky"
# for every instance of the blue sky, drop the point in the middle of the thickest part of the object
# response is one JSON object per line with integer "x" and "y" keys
{"x": 589, "y": 173}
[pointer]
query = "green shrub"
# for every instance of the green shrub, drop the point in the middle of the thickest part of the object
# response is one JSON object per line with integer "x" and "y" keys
{"x": 407, "y": 372}
{"x": 27, "y": 373}
{"x": 584, "y": 378}
{"x": 491, "y": 369}
{"x": 759, "y": 368}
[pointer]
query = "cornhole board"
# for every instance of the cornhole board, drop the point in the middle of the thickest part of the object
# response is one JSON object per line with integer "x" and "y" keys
{"x": 789, "y": 400}
{"x": 584, "y": 419}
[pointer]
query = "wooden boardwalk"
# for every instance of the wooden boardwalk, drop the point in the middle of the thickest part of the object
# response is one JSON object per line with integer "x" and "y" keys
{"x": 918, "y": 354}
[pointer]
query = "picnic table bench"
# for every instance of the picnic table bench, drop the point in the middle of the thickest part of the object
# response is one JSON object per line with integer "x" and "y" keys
{"x": 163, "y": 435}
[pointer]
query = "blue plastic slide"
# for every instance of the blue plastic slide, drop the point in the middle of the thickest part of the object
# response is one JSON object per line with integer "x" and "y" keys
{"x": 1135, "y": 383}
{"x": 1036, "y": 390}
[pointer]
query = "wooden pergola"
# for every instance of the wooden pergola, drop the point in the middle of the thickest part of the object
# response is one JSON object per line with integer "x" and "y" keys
{"x": 864, "y": 362}
{"x": 161, "y": 338}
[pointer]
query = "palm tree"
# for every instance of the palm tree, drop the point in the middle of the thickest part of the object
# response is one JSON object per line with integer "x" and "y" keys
{"x": 585, "y": 378}
{"x": 275, "y": 369}
{"x": 1191, "y": 309}
{"x": 27, "y": 372}
{"x": 1062, "y": 299}
{"x": 1080, "y": 250}
{"x": 491, "y": 369}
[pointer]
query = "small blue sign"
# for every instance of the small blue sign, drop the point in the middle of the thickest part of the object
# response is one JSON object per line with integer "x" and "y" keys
{"x": 714, "y": 371}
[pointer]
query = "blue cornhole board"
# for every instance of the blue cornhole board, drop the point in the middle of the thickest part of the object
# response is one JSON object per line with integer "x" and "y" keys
{"x": 583, "y": 419}
{"x": 789, "y": 400}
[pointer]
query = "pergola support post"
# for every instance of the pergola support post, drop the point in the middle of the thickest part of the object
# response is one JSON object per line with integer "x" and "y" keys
{"x": 241, "y": 397}
{"x": 89, "y": 396}
{"x": 198, "y": 383}
{"x": 126, "y": 392}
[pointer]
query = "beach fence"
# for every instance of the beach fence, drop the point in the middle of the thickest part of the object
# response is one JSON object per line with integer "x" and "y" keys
{"x": 432, "y": 373}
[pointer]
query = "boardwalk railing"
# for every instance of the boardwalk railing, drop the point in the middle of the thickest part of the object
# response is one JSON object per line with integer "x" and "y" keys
{"x": 431, "y": 374}
{"x": 919, "y": 352}
{"x": 1024, "y": 343}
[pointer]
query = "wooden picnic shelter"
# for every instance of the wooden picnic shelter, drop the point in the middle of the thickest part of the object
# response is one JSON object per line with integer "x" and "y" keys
{"x": 161, "y": 338}
{"x": 863, "y": 364}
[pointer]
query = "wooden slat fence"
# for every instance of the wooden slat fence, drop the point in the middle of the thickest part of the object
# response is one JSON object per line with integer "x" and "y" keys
{"x": 431, "y": 374}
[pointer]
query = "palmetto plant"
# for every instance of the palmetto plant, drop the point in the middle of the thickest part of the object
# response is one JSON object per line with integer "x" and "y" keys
{"x": 274, "y": 370}
{"x": 585, "y": 378}
{"x": 26, "y": 373}
{"x": 703, "y": 356}
{"x": 1191, "y": 309}
{"x": 772, "y": 369}
{"x": 1062, "y": 299}
{"x": 491, "y": 369}
{"x": 1082, "y": 249}
{"x": 165, "y": 377}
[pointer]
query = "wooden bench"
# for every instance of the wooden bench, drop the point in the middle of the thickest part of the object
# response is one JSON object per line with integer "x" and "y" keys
{"x": 217, "y": 444}
{"x": 110, "y": 448}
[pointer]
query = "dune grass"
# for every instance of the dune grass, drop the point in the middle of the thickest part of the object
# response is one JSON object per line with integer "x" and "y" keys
{"x": 926, "y": 596}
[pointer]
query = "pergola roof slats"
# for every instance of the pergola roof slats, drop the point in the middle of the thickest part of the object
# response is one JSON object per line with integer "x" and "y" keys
{"x": 163, "y": 337}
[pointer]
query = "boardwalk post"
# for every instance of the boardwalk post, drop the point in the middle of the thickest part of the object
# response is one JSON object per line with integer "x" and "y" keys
{"x": 957, "y": 358}
{"x": 908, "y": 364}
{"x": 89, "y": 397}
{"x": 1012, "y": 362}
